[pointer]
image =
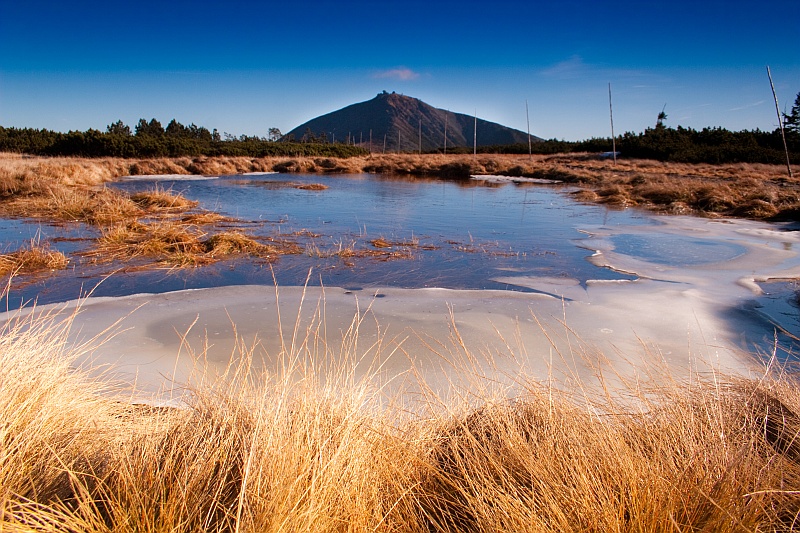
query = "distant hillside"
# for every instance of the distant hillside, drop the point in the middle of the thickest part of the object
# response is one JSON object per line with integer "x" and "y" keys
{"x": 403, "y": 120}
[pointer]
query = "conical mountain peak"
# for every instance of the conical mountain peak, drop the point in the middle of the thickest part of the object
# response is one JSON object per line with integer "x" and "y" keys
{"x": 404, "y": 123}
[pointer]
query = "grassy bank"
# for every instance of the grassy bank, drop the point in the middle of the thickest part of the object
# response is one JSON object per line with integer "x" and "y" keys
{"x": 301, "y": 450}
{"x": 157, "y": 227}
{"x": 755, "y": 191}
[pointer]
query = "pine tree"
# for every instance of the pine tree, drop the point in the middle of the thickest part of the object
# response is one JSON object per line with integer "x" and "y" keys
{"x": 792, "y": 121}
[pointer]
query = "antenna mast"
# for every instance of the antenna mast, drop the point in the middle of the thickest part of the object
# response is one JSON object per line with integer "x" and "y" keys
{"x": 528, "y": 120}
{"x": 613, "y": 138}
{"x": 475, "y": 136}
{"x": 780, "y": 123}
{"x": 445, "y": 132}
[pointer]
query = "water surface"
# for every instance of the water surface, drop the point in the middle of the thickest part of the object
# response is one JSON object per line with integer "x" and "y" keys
{"x": 465, "y": 235}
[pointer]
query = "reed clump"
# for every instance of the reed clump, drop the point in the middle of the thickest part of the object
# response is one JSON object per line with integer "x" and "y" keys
{"x": 162, "y": 199}
{"x": 302, "y": 449}
{"x": 32, "y": 258}
{"x": 231, "y": 243}
{"x": 177, "y": 244}
{"x": 311, "y": 187}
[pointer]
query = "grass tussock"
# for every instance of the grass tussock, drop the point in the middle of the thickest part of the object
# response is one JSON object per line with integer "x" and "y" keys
{"x": 296, "y": 450}
{"x": 381, "y": 250}
{"x": 162, "y": 199}
{"x": 178, "y": 244}
{"x": 33, "y": 258}
{"x": 312, "y": 187}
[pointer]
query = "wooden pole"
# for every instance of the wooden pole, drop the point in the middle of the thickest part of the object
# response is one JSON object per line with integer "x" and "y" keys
{"x": 528, "y": 120}
{"x": 613, "y": 138}
{"x": 370, "y": 142}
{"x": 420, "y": 136}
{"x": 398, "y": 140}
{"x": 445, "y": 133}
{"x": 475, "y": 136}
{"x": 780, "y": 123}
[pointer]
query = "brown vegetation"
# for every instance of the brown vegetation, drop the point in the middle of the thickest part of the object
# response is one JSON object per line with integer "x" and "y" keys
{"x": 311, "y": 187}
{"x": 744, "y": 190}
{"x": 156, "y": 226}
{"x": 162, "y": 199}
{"x": 382, "y": 251}
{"x": 172, "y": 243}
{"x": 165, "y": 227}
{"x": 299, "y": 450}
{"x": 741, "y": 190}
{"x": 32, "y": 258}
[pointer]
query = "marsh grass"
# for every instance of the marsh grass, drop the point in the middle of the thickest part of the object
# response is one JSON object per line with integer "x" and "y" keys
{"x": 311, "y": 187}
{"x": 162, "y": 199}
{"x": 160, "y": 227}
{"x": 746, "y": 190}
{"x": 308, "y": 447}
{"x": 179, "y": 244}
{"x": 32, "y": 258}
{"x": 348, "y": 252}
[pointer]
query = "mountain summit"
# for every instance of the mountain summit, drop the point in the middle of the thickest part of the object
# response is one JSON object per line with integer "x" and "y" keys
{"x": 404, "y": 123}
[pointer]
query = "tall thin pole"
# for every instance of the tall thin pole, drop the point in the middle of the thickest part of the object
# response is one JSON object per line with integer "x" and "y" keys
{"x": 528, "y": 120}
{"x": 780, "y": 123}
{"x": 384, "y": 143}
{"x": 420, "y": 136}
{"x": 445, "y": 133}
{"x": 475, "y": 136}
{"x": 398, "y": 140}
{"x": 613, "y": 138}
{"x": 370, "y": 142}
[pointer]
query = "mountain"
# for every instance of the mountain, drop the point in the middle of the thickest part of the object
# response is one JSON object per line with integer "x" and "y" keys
{"x": 405, "y": 122}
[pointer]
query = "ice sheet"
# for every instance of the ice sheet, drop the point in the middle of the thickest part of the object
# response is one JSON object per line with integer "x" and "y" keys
{"x": 695, "y": 317}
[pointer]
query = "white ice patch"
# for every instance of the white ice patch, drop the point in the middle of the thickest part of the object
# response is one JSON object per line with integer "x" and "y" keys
{"x": 492, "y": 178}
{"x": 169, "y": 177}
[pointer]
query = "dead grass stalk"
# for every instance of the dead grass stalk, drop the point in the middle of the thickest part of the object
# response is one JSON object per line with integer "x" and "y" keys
{"x": 295, "y": 450}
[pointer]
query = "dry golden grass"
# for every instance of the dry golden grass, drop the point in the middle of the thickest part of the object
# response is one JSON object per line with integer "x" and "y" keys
{"x": 162, "y": 199}
{"x": 231, "y": 243}
{"x": 311, "y": 187}
{"x": 205, "y": 218}
{"x": 297, "y": 449}
{"x": 173, "y": 243}
{"x": 742, "y": 190}
{"x": 382, "y": 250}
{"x": 32, "y": 258}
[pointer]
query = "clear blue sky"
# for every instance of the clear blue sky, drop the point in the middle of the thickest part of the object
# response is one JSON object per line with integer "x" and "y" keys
{"x": 243, "y": 67}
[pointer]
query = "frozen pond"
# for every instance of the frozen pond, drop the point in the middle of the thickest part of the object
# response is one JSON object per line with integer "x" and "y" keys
{"x": 470, "y": 235}
{"x": 465, "y": 234}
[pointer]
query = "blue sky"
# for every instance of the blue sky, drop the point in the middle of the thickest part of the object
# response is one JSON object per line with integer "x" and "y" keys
{"x": 243, "y": 67}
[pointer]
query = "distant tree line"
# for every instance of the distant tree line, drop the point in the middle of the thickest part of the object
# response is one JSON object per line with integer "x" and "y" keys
{"x": 684, "y": 145}
{"x": 151, "y": 139}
